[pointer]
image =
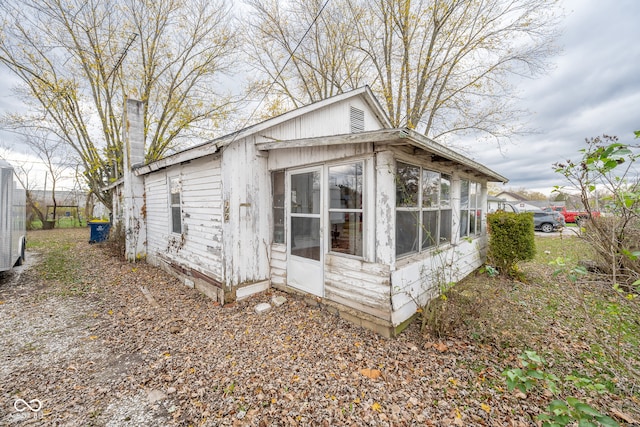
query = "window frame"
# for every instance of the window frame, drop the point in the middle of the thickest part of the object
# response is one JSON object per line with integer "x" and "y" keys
{"x": 361, "y": 210}
{"x": 471, "y": 214}
{"x": 173, "y": 205}
{"x": 416, "y": 205}
{"x": 278, "y": 207}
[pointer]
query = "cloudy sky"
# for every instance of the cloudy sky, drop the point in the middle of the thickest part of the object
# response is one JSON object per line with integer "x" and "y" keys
{"x": 594, "y": 89}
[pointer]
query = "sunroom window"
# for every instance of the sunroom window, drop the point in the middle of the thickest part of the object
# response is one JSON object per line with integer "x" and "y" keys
{"x": 345, "y": 208}
{"x": 423, "y": 209}
{"x": 470, "y": 209}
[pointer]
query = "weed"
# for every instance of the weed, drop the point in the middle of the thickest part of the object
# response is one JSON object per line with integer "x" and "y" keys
{"x": 560, "y": 413}
{"x": 228, "y": 391}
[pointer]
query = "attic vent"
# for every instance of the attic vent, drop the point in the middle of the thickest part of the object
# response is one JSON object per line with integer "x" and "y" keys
{"x": 357, "y": 120}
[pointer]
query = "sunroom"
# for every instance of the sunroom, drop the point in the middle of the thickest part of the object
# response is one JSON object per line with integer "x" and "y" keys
{"x": 376, "y": 223}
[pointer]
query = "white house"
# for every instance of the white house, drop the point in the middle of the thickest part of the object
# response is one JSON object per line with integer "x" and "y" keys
{"x": 327, "y": 200}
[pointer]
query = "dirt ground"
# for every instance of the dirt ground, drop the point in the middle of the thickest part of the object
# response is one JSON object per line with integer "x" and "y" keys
{"x": 122, "y": 344}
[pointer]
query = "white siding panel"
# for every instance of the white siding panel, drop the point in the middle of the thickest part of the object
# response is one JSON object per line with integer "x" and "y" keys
{"x": 278, "y": 264}
{"x": 248, "y": 197}
{"x": 357, "y": 284}
{"x": 201, "y": 214}
{"x": 420, "y": 281}
{"x": 157, "y": 203}
{"x": 333, "y": 119}
{"x": 296, "y": 157}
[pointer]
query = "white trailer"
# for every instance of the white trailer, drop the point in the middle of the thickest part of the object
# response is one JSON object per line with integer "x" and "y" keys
{"x": 13, "y": 212}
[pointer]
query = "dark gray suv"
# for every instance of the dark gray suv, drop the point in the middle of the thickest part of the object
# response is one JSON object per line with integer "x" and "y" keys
{"x": 546, "y": 222}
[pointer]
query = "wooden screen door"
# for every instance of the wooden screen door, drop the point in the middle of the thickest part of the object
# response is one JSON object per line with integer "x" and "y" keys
{"x": 305, "y": 243}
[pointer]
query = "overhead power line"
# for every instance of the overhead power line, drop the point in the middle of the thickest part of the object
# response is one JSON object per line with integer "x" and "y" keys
{"x": 287, "y": 62}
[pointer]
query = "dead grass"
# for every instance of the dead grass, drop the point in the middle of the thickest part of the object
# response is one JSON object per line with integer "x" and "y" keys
{"x": 581, "y": 326}
{"x": 104, "y": 356}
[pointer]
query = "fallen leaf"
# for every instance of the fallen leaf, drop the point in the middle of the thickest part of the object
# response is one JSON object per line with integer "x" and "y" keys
{"x": 441, "y": 347}
{"x": 625, "y": 417}
{"x": 486, "y": 408}
{"x": 376, "y": 407}
{"x": 371, "y": 373}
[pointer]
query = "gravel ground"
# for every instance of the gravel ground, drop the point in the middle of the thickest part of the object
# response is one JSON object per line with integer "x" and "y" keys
{"x": 100, "y": 352}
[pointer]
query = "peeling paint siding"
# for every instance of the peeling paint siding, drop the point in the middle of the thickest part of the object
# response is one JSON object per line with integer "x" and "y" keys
{"x": 358, "y": 284}
{"x": 201, "y": 214}
{"x": 331, "y": 120}
{"x": 297, "y": 157}
{"x": 278, "y": 264}
{"x": 247, "y": 233}
{"x": 385, "y": 195}
{"x": 421, "y": 280}
{"x": 157, "y": 213}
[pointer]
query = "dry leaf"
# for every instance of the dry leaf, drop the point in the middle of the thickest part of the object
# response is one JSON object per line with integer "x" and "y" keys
{"x": 625, "y": 417}
{"x": 376, "y": 407}
{"x": 371, "y": 373}
{"x": 441, "y": 347}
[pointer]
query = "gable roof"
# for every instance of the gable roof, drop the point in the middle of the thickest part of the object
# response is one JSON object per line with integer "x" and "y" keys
{"x": 386, "y": 135}
{"x": 438, "y": 152}
{"x": 213, "y": 146}
{"x": 513, "y": 195}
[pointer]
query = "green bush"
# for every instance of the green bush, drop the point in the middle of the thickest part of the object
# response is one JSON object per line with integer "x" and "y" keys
{"x": 511, "y": 239}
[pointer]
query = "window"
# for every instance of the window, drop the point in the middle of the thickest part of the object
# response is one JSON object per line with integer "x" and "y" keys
{"x": 175, "y": 204}
{"x": 345, "y": 208}
{"x": 277, "y": 185}
{"x": 470, "y": 210}
{"x": 304, "y": 232}
{"x": 423, "y": 209}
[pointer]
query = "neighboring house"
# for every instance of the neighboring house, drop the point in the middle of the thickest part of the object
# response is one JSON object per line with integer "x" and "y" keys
{"x": 327, "y": 200}
{"x": 520, "y": 202}
{"x": 510, "y": 196}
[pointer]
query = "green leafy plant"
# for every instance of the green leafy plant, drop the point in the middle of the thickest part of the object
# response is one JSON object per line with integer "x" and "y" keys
{"x": 561, "y": 413}
{"x": 586, "y": 383}
{"x": 531, "y": 374}
{"x": 607, "y": 176}
{"x": 572, "y": 272}
{"x": 489, "y": 270}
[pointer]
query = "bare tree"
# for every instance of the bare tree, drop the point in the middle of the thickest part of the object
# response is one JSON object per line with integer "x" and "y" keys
{"x": 442, "y": 67}
{"x": 55, "y": 156}
{"x": 78, "y": 60}
{"x": 304, "y": 51}
{"x": 26, "y": 176}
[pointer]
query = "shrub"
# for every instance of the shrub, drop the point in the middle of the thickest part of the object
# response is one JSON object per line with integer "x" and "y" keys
{"x": 610, "y": 168}
{"x": 511, "y": 239}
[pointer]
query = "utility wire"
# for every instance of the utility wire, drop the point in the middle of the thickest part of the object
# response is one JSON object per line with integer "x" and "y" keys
{"x": 283, "y": 67}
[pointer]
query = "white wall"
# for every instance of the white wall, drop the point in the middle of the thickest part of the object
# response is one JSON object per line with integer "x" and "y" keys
{"x": 202, "y": 213}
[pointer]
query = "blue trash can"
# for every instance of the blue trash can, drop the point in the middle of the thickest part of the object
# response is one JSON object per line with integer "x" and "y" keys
{"x": 99, "y": 231}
